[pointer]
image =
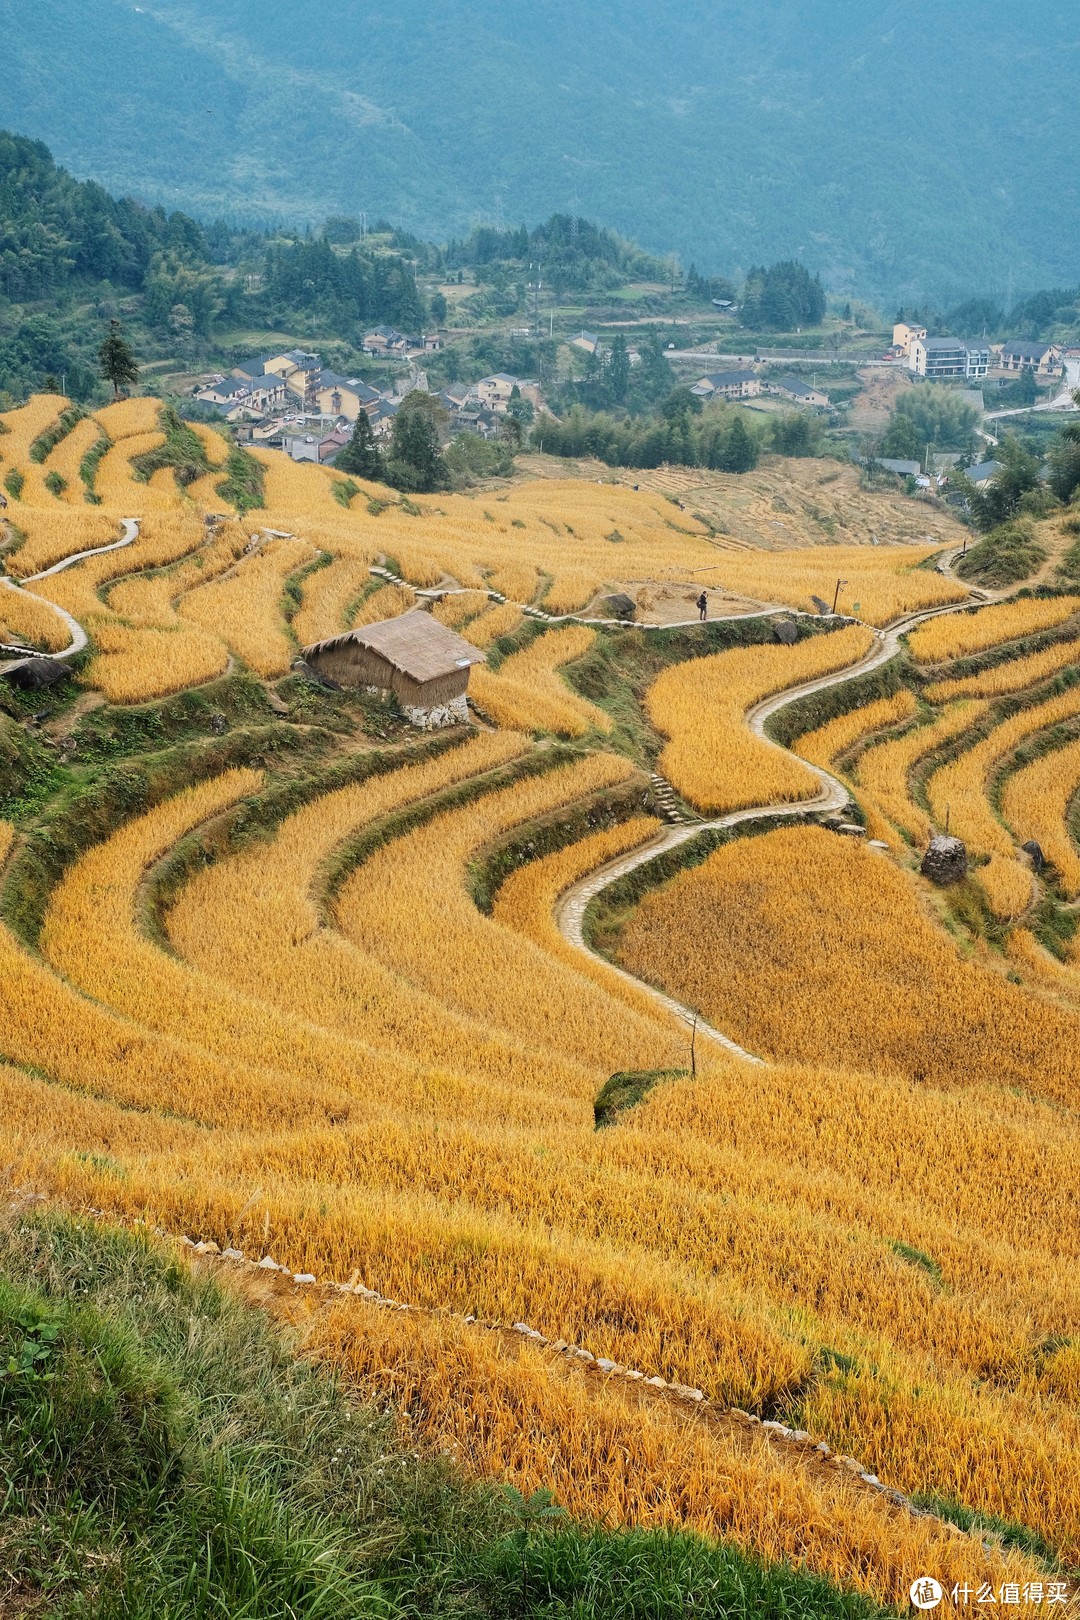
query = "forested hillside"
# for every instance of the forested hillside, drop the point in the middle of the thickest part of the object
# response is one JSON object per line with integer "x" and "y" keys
{"x": 871, "y": 145}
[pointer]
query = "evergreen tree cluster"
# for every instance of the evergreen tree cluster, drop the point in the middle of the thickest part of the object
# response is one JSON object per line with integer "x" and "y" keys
{"x": 56, "y": 231}
{"x": 570, "y": 253}
{"x": 346, "y": 288}
{"x": 782, "y": 297}
{"x": 719, "y": 438}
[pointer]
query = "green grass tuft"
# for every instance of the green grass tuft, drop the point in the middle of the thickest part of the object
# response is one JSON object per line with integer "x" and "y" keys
{"x": 166, "y": 1455}
{"x": 626, "y": 1089}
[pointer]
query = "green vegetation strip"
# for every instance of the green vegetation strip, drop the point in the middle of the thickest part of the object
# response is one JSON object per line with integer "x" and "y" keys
{"x": 167, "y": 1455}
{"x": 183, "y": 451}
{"x": 547, "y": 835}
{"x": 243, "y": 485}
{"x": 626, "y": 1089}
{"x": 46, "y": 442}
{"x": 88, "y": 467}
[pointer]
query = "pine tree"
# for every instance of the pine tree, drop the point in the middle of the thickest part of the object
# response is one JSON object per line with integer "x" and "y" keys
{"x": 361, "y": 456}
{"x": 416, "y": 463}
{"x": 116, "y": 360}
{"x": 740, "y": 451}
{"x": 618, "y": 370}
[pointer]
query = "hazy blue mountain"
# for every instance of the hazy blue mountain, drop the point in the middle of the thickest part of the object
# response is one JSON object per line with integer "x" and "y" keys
{"x": 900, "y": 149}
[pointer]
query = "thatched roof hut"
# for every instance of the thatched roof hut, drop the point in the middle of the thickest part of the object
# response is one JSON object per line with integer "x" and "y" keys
{"x": 425, "y": 664}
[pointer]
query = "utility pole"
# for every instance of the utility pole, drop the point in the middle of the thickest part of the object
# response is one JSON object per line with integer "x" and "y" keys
{"x": 836, "y": 594}
{"x": 693, "y": 1049}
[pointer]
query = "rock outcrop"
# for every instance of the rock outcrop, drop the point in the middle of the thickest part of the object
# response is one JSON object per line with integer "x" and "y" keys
{"x": 945, "y": 860}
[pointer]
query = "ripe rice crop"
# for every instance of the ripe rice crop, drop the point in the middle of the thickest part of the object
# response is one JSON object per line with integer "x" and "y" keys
{"x": 146, "y": 600}
{"x": 828, "y": 742}
{"x": 213, "y": 443}
{"x": 353, "y": 991}
{"x": 1013, "y": 676}
{"x": 712, "y": 758}
{"x": 245, "y": 608}
{"x": 48, "y": 1026}
{"x": 164, "y": 538}
{"x": 885, "y": 581}
{"x": 337, "y": 1058}
{"x": 1008, "y": 886}
{"x": 129, "y": 418}
{"x": 610, "y": 1450}
{"x": 66, "y": 459}
{"x": 504, "y": 619}
{"x": 25, "y": 620}
{"x": 884, "y": 768}
{"x": 527, "y": 900}
{"x": 766, "y": 937}
{"x": 385, "y": 603}
{"x": 825, "y": 745}
{"x": 958, "y": 791}
{"x": 467, "y": 959}
{"x": 252, "y": 921}
{"x": 137, "y": 665}
{"x": 89, "y": 936}
{"x": 557, "y": 533}
{"x": 526, "y": 693}
{"x": 114, "y": 482}
{"x": 297, "y": 489}
{"x": 432, "y": 1214}
{"x": 53, "y": 535}
{"x": 955, "y": 635}
{"x": 1038, "y": 966}
{"x": 1035, "y": 802}
{"x": 325, "y": 596}
{"x": 24, "y": 425}
{"x": 463, "y": 605}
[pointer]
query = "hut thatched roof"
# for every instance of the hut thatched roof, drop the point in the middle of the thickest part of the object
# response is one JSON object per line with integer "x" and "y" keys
{"x": 414, "y": 643}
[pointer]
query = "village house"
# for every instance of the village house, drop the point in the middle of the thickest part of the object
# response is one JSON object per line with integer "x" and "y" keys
{"x": 728, "y": 385}
{"x": 801, "y": 393}
{"x": 313, "y": 442}
{"x": 345, "y": 396}
{"x": 494, "y": 393}
{"x": 267, "y": 393}
{"x": 226, "y": 394}
{"x": 455, "y": 396}
{"x": 948, "y": 357}
{"x": 423, "y": 663}
{"x": 586, "y": 341}
{"x": 382, "y": 418}
{"x": 1044, "y": 359}
{"x": 279, "y": 376}
{"x": 984, "y": 473}
{"x": 385, "y": 340}
{"x": 904, "y": 334}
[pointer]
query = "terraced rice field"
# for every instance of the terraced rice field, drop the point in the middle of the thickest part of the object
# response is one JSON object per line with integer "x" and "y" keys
{"x": 286, "y": 975}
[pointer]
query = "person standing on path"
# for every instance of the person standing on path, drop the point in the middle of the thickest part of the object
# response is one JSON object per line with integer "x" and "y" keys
{"x": 703, "y": 606}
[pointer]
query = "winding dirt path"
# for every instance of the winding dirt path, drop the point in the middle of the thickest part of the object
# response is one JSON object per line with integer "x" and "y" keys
{"x": 832, "y": 795}
{"x": 130, "y": 527}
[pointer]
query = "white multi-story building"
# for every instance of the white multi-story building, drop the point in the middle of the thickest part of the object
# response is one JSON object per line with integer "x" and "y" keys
{"x": 948, "y": 357}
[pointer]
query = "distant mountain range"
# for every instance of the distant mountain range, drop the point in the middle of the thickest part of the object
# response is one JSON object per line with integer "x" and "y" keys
{"x": 902, "y": 151}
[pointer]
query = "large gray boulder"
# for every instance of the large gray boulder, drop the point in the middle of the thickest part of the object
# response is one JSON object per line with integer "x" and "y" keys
{"x": 35, "y": 674}
{"x": 945, "y": 860}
